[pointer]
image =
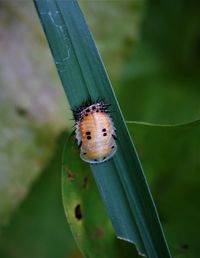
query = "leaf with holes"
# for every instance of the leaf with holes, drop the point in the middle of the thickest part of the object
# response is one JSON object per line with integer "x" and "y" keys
{"x": 85, "y": 211}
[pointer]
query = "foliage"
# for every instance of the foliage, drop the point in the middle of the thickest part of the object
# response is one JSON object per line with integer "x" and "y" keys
{"x": 173, "y": 173}
{"x": 83, "y": 76}
{"x": 39, "y": 227}
{"x": 157, "y": 82}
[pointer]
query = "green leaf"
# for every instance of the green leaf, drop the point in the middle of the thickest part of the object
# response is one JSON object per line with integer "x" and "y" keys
{"x": 85, "y": 211}
{"x": 39, "y": 227}
{"x": 120, "y": 180}
{"x": 173, "y": 172}
{"x": 160, "y": 81}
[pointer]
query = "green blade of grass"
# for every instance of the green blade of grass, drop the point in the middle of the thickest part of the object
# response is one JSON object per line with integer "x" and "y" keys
{"x": 120, "y": 180}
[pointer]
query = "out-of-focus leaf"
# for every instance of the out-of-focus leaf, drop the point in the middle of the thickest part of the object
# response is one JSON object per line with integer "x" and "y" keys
{"x": 107, "y": 17}
{"x": 160, "y": 83}
{"x": 24, "y": 150}
{"x": 173, "y": 172}
{"x": 39, "y": 227}
{"x": 28, "y": 104}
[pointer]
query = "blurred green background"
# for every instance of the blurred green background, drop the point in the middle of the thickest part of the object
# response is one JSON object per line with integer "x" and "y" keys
{"x": 151, "y": 50}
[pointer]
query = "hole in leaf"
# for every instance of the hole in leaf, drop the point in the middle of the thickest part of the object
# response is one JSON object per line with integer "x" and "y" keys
{"x": 78, "y": 213}
{"x": 185, "y": 246}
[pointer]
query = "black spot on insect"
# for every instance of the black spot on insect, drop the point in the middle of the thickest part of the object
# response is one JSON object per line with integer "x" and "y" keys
{"x": 88, "y": 133}
{"x": 114, "y": 137}
{"x": 113, "y": 147}
{"x": 104, "y": 130}
{"x": 97, "y": 111}
{"x": 78, "y": 212}
{"x": 95, "y": 160}
{"x": 88, "y": 110}
{"x": 84, "y": 153}
{"x": 104, "y": 134}
{"x": 104, "y": 158}
{"x": 89, "y": 137}
{"x": 86, "y": 114}
{"x": 93, "y": 107}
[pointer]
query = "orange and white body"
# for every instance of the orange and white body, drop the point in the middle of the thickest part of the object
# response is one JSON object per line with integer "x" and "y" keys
{"x": 95, "y": 133}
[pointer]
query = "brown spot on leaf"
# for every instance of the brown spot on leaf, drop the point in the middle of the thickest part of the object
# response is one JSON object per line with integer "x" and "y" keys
{"x": 85, "y": 181}
{"x": 99, "y": 231}
{"x": 70, "y": 175}
{"x": 78, "y": 212}
{"x": 76, "y": 254}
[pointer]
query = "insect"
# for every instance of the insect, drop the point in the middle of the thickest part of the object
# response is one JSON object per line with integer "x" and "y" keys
{"x": 95, "y": 132}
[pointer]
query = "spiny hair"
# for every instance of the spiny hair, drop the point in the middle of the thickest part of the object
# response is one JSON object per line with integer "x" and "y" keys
{"x": 88, "y": 102}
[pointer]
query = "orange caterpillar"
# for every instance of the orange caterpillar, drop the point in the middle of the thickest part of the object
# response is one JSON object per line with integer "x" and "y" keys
{"x": 95, "y": 132}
